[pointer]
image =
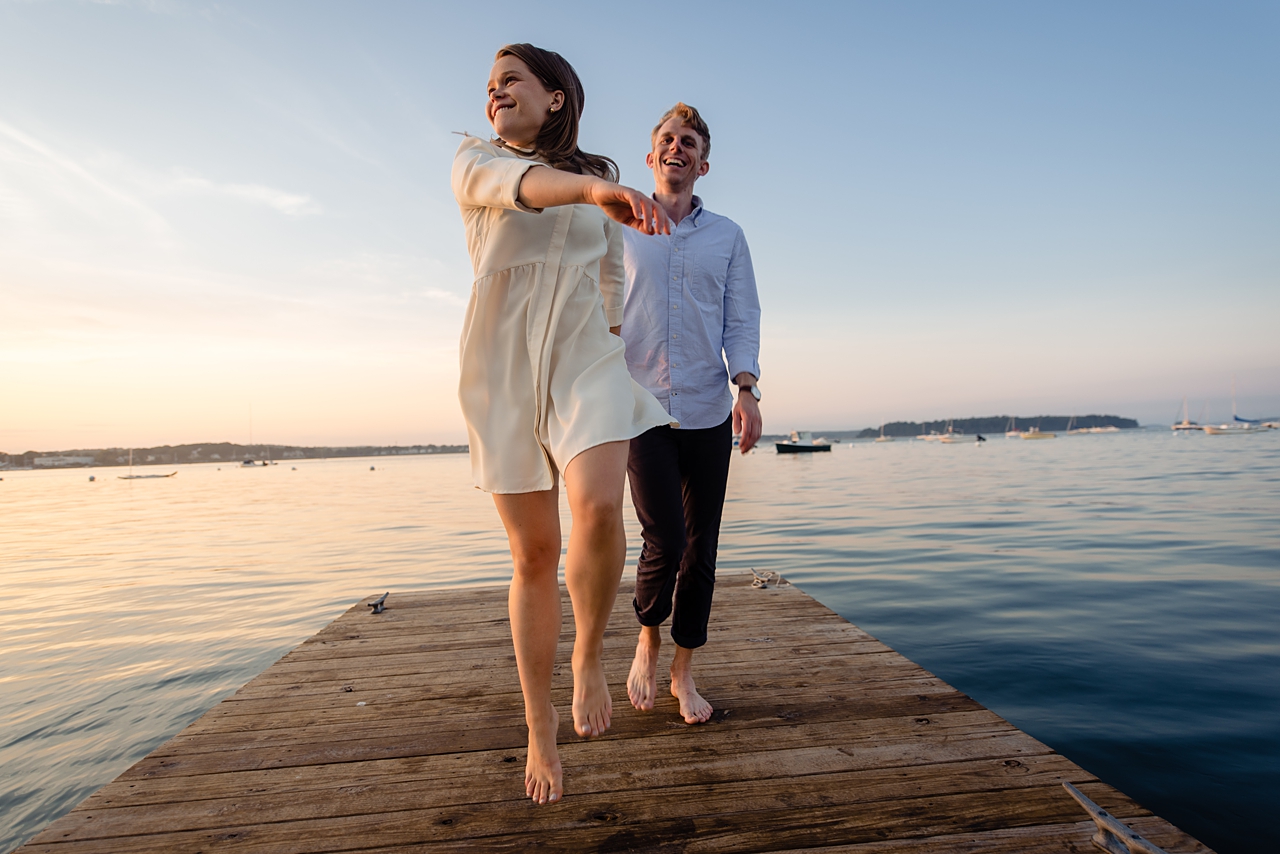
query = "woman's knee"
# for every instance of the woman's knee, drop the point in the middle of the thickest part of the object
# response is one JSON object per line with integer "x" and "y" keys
{"x": 535, "y": 558}
{"x": 597, "y": 509}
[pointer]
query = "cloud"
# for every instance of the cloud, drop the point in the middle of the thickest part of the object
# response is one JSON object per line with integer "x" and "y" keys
{"x": 30, "y": 151}
{"x": 291, "y": 204}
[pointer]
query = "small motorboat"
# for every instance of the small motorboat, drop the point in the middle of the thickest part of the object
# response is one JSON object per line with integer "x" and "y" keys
{"x": 1036, "y": 433}
{"x": 802, "y": 443}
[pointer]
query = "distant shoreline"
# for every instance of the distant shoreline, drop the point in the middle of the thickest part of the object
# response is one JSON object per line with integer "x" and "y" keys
{"x": 209, "y": 452}
{"x": 993, "y": 424}
{"x": 232, "y": 453}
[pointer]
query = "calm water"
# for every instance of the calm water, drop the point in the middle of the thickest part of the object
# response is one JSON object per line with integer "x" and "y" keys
{"x": 1117, "y": 596}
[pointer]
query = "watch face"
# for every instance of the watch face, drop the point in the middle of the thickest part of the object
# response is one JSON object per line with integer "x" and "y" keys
{"x": 755, "y": 391}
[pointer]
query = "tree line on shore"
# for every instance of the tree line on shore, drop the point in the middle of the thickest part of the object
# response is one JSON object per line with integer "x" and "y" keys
{"x": 998, "y": 424}
{"x": 212, "y": 452}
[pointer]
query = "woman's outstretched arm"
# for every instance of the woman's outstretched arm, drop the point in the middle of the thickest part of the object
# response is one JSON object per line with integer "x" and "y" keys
{"x": 544, "y": 187}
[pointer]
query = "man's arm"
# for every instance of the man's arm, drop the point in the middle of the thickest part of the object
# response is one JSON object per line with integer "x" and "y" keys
{"x": 742, "y": 341}
{"x": 747, "y": 422}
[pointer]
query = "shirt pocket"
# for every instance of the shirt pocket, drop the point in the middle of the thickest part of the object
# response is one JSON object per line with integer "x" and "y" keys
{"x": 710, "y": 272}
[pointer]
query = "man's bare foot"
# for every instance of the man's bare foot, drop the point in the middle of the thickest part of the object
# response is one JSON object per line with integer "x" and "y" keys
{"x": 642, "y": 683}
{"x": 543, "y": 779}
{"x": 592, "y": 705}
{"x": 693, "y": 708}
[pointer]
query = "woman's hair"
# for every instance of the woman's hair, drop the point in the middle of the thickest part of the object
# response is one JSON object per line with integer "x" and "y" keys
{"x": 557, "y": 141}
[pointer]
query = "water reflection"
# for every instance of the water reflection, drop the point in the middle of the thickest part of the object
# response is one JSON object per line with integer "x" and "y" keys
{"x": 1115, "y": 595}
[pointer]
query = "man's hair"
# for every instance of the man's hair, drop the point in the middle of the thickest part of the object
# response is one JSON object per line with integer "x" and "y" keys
{"x": 691, "y": 117}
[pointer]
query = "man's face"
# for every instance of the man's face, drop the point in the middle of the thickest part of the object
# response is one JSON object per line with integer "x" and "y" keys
{"x": 677, "y": 156}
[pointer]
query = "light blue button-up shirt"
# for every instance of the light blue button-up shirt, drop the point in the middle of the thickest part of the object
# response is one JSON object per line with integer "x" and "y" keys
{"x": 690, "y": 307}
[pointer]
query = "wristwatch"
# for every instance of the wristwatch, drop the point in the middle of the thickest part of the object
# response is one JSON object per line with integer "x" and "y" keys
{"x": 753, "y": 390}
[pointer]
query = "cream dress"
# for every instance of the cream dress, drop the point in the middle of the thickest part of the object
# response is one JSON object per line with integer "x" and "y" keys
{"x": 543, "y": 379}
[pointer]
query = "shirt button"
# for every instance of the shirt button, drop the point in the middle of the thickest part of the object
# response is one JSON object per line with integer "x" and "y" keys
{"x": 673, "y": 335}
{"x": 673, "y": 305}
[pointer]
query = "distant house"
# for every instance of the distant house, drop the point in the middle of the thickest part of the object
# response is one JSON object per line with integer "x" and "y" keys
{"x": 61, "y": 462}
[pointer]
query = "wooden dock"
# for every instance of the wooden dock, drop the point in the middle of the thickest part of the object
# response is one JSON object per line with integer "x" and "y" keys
{"x": 404, "y": 731}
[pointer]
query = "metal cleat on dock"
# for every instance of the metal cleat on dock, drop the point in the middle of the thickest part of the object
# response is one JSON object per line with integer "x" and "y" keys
{"x": 380, "y": 605}
{"x": 1112, "y": 835}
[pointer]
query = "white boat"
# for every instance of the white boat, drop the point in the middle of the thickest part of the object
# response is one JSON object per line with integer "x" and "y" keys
{"x": 1237, "y": 426}
{"x": 882, "y": 437}
{"x": 132, "y": 476}
{"x": 935, "y": 436}
{"x": 1072, "y": 430}
{"x": 802, "y": 443}
{"x": 1011, "y": 430}
{"x": 1232, "y": 429}
{"x": 1035, "y": 433}
{"x": 1185, "y": 424}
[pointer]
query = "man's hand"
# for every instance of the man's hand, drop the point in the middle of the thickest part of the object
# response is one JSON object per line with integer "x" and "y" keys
{"x": 746, "y": 421}
{"x": 616, "y": 330}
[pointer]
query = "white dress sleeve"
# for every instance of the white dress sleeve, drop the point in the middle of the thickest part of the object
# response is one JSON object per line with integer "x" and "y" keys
{"x": 483, "y": 179}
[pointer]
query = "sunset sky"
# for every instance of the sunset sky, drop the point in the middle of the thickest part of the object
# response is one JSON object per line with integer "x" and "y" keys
{"x": 218, "y": 217}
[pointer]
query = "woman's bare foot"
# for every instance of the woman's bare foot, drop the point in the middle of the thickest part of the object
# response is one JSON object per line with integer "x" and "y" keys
{"x": 543, "y": 779}
{"x": 642, "y": 683}
{"x": 592, "y": 705}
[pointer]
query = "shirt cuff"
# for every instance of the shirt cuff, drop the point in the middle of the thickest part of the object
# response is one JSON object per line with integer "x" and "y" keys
{"x": 738, "y": 366}
{"x": 512, "y": 174}
{"x": 613, "y": 316}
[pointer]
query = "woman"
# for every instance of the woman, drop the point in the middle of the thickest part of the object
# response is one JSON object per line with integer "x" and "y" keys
{"x": 544, "y": 386}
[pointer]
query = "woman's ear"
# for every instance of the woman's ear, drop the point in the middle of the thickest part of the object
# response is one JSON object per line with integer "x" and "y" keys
{"x": 557, "y": 100}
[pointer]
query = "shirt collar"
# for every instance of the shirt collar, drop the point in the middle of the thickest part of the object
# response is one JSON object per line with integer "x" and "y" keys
{"x": 694, "y": 215}
{"x": 697, "y": 210}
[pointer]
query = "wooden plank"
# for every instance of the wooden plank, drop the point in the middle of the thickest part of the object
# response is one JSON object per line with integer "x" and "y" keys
{"x": 824, "y": 740}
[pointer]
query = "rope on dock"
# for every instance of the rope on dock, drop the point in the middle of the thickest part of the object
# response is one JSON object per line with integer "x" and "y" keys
{"x": 762, "y": 581}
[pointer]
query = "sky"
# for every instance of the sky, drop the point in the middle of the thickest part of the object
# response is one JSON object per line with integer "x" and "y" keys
{"x": 233, "y": 221}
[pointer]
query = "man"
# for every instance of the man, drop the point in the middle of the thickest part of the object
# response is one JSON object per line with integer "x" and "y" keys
{"x": 690, "y": 305}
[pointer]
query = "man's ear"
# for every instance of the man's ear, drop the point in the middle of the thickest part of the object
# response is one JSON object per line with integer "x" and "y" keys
{"x": 704, "y": 168}
{"x": 648, "y": 160}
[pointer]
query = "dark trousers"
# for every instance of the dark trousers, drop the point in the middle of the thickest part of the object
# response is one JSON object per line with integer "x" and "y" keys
{"x": 678, "y": 480}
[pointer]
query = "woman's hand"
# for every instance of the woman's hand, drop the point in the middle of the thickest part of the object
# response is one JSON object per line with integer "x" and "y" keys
{"x": 629, "y": 207}
{"x": 544, "y": 187}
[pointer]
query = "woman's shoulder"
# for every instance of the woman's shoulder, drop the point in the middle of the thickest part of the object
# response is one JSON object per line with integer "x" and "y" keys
{"x": 476, "y": 144}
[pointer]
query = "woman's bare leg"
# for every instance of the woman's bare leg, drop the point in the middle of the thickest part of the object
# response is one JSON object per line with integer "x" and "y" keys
{"x": 532, "y": 520}
{"x": 593, "y": 481}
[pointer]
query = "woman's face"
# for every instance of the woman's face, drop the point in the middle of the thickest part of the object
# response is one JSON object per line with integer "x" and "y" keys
{"x": 518, "y": 104}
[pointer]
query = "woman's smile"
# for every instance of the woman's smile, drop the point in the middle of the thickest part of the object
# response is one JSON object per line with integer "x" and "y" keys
{"x": 518, "y": 103}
